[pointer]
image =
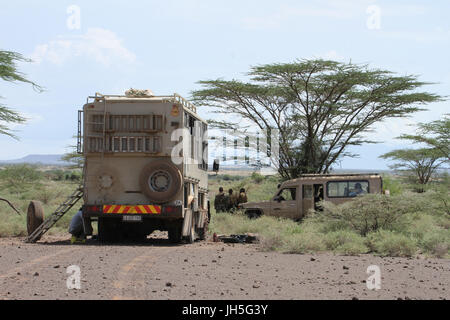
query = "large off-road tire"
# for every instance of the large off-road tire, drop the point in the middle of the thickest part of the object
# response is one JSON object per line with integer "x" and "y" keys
{"x": 35, "y": 216}
{"x": 191, "y": 237}
{"x": 253, "y": 214}
{"x": 133, "y": 232}
{"x": 107, "y": 230}
{"x": 160, "y": 181}
{"x": 175, "y": 233}
{"x": 202, "y": 232}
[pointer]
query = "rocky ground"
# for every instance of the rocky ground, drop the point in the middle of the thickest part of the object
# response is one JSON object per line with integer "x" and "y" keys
{"x": 207, "y": 270}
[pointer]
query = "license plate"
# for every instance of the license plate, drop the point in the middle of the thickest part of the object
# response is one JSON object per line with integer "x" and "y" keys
{"x": 132, "y": 218}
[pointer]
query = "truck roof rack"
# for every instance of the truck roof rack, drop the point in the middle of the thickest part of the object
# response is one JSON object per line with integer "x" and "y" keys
{"x": 175, "y": 98}
{"x": 337, "y": 174}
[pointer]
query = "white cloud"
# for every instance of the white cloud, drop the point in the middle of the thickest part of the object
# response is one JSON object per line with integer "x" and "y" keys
{"x": 101, "y": 45}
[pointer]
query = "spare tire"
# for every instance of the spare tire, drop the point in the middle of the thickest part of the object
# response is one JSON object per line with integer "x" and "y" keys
{"x": 35, "y": 216}
{"x": 160, "y": 181}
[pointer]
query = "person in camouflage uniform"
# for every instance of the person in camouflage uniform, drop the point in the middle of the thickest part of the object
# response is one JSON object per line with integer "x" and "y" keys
{"x": 231, "y": 201}
{"x": 242, "y": 198}
{"x": 220, "y": 201}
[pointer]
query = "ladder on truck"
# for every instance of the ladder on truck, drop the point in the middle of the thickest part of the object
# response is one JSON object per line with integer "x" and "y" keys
{"x": 55, "y": 216}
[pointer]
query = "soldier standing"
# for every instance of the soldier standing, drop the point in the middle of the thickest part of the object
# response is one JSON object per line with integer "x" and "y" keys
{"x": 219, "y": 201}
{"x": 242, "y": 196}
{"x": 231, "y": 201}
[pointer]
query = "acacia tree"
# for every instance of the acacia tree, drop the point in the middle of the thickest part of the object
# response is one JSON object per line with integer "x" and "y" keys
{"x": 436, "y": 135}
{"x": 9, "y": 72}
{"x": 320, "y": 107}
{"x": 422, "y": 163}
{"x": 75, "y": 159}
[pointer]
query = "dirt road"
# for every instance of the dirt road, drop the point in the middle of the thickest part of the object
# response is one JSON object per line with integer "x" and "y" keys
{"x": 207, "y": 270}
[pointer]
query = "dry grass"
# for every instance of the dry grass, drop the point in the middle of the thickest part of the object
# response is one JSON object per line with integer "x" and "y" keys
{"x": 21, "y": 192}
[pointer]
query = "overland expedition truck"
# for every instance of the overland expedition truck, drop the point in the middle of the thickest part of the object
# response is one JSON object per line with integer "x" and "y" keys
{"x": 295, "y": 197}
{"x": 131, "y": 184}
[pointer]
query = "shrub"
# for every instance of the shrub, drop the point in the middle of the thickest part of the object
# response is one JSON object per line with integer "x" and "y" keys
{"x": 393, "y": 185}
{"x": 20, "y": 176}
{"x": 303, "y": 243}
{"x": 271, "y": 242}
{"x": 352, "y": 248}
{"x": 257, "y": 178}
{"x": 371, "y": 212}
{"x": 344, "y": 241}
{"x": 55, "y": 175}
{"x": 388, "y": 243}
{"x": 436, "y": 243}
{"x": 75, "y": 176}
{"x": 44, "y": 195}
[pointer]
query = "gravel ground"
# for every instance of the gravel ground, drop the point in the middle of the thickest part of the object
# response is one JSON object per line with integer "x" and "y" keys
{"x": 207, "y": 270}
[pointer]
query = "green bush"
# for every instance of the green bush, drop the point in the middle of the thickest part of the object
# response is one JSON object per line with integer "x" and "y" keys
{"x": 344, "y": 241}
{"x": 393, "y": 185}
{"x": 436, "y": 244}
{"x": 389, "y": 243}
{"x": 402, "y": 224}
{"x": 303, "y": 243}
{"x": 372, "y": 212}
{"x": 20, "y": 175}
{"x": 257, "y": 178}
{"x": 271, "y": 241}
{"x": 55, "y": 175}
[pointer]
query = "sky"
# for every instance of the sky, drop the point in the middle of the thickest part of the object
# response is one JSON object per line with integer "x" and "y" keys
{"x": 82, "y": 47}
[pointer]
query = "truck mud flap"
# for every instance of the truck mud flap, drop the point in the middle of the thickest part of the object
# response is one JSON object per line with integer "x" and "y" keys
{"x": 187, "y": 222}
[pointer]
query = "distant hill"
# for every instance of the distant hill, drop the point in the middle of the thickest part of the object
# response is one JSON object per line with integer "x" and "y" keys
{"x": 45, "y": 159}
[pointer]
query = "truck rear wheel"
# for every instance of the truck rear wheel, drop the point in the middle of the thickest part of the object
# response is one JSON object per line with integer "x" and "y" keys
{"x": 191, "y": 237}
{"x": 35, "y": 216}
{"x": 202, "y": 232}
{"x": 175, "y": 234}
{"x": 107, "y": 231}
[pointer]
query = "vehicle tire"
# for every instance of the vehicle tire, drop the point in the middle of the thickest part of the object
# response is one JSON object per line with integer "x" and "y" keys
{"x": 160, "y": 181}
{"x": 191, "y": 237}
{"x": 107, "y": 231}
{"x": 202, "y": 232}
{"x": 175, "y": 234}
{"x": 35, "y": 216}
{"x": 133, "y": 233}
{"x": 253, "y": 214}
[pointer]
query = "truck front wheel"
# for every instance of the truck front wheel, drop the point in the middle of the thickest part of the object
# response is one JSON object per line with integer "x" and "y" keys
{"x": 253, "y": 214}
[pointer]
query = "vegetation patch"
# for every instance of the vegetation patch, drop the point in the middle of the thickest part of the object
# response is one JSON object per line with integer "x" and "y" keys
{"x": 22, "y": 183}
{"x": 403, "y": 224}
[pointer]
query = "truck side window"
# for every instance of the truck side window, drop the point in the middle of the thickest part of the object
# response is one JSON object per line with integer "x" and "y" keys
{"x": 307, "y": 191}
{"x": 347, "y": 189}
{"x": 287, "y": 194}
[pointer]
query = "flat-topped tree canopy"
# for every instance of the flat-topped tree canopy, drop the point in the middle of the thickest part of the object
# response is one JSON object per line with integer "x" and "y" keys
{"x": 319, "y": 107}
